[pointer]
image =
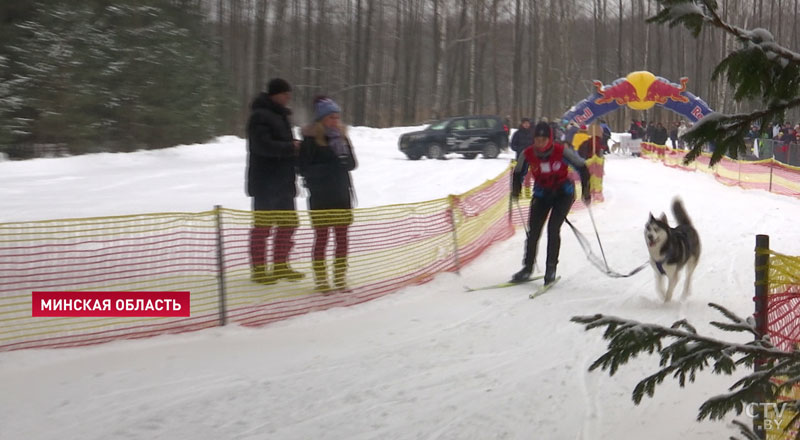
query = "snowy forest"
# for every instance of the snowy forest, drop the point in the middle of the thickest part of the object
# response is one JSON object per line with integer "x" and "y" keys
{"x": 119, "y": 75}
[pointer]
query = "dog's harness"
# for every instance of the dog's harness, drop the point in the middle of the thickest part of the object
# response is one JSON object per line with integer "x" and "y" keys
{"x": 660, "y": 264}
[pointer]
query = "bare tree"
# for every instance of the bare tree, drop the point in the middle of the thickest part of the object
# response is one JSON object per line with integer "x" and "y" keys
{"x": 412, "y": 60}
{"x": 259, "y": 61}
{"x": 516, "y": 80}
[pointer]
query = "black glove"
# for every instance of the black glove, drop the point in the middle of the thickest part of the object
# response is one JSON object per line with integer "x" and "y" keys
{"x": 587, "y": 198}
{"x": 515, "y": 195}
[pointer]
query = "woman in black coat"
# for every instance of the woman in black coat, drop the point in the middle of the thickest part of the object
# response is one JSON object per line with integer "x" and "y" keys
{"x": 326, "y": 159}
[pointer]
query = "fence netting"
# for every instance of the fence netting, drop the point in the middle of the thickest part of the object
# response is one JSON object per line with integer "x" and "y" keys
{"x": 209, "y": 254}
{"x": 766, "y": 174}
{"x": 783, "y": 326}
{"x": 152, "y": 252}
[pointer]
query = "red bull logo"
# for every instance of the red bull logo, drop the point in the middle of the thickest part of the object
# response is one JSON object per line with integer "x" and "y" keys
{"x": 661, "y": 90}
{"x": 640, "y": 91}
{"x": 621, "y": 91}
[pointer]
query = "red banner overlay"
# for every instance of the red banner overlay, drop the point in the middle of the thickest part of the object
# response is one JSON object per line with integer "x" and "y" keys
{"x": 108, "y": 304}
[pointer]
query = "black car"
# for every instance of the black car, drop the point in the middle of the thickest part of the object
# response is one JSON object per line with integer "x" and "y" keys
{"x": 465, "y": 135}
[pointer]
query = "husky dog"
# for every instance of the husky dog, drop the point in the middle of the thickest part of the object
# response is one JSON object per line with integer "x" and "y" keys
{"x": 672, "y": 249}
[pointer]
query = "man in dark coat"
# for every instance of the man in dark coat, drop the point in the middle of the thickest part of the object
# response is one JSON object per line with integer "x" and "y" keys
{"x": 523, "y": 137}
{"x": 660, "y": 135}
{"x": 272, "y": 152}
{"x": 636, "y": 129}
{"x": 650, "y": 131}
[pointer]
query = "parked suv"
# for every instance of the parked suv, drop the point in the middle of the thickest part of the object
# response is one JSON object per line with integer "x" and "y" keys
{"x": 465, "y": 135}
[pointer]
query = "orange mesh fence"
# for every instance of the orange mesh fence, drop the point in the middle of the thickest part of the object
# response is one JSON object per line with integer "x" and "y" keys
{"x": 767, "y": 174}
{"x": 783, "y": 327}
{"x": 175, "y": 251}
{"x": 211, "y": 255}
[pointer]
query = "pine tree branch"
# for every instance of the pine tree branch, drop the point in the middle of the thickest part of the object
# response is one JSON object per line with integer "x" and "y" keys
{"x": 759, "y": 37}
{"x": 727, "y": 132}
{"x": 761, "y": 69}
{"x": 688, "y": 353}
{"x": 746, "y": 430}
{"x": 695, "y": 13}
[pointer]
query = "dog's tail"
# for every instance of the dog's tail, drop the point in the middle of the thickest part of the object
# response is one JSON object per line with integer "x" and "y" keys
{"x": 680, "y": 213}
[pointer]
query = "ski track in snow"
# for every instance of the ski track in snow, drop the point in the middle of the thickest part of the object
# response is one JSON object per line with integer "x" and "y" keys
{"x": 432, "y": 361}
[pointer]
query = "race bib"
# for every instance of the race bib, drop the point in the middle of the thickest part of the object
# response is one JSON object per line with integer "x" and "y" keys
{"x": 545, "y": 167}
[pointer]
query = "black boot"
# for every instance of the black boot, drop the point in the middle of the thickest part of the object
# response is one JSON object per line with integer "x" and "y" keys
{"x": 522, "y": 275}
{"x": 549, "y": 274}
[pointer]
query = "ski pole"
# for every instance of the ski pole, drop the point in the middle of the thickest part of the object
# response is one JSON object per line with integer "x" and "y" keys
{"x": 522, "y": 219}
{"x": 602, "y": 252}
{"x": 525, "y": 227}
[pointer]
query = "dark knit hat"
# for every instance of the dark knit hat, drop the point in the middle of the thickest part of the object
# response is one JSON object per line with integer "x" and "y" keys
{"x": 525, "y": 120}
{"x": 542, "y": 129}
{"x": 278, "y": 85}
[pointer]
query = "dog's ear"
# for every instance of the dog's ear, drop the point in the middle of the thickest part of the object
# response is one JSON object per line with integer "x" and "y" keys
{"x": 663, "y": 217}
{"x": 651, "y": 217}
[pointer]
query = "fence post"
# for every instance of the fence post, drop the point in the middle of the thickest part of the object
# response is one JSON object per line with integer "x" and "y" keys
{"x": 771, "y": 165}
{"x": 761, "y": 288}
{"x": 223, "y": 313}
{"x": 452, "y": 199}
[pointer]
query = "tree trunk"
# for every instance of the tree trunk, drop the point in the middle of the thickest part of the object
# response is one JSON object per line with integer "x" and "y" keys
{"x": 596, "y": 39}
{"x": 276, "y": 43}
{"x": 376, "y": 114}
{"x": 305, "y": 88}
{"x": 396, "y": 71}
{"x": 495, "y": 61}
{"x": 437, "y": 54}
{"x": 795, "y": 42}
{"x": 355, "y": 68}
{"x": 416, "y": 20}
{"x": 320, "y": 64}
{"x": 516, "y": 79}
{"x": 260, "y": 47}
{"x": 473, "y": 57}
{"x": 362, "y": 84}
{"x": 535, "y": 33}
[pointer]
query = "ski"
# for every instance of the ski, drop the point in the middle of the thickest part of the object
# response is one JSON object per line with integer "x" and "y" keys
{"x": 543, "y": 289}
{"x": 505, "y": 284}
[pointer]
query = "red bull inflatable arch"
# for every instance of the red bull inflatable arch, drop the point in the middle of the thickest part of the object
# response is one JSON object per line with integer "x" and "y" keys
{"x": 639, "y": 91}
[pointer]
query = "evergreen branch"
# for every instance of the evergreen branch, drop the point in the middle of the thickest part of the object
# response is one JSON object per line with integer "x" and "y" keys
{"x": 693, "y": 14}
{"x": 760, "y": 69}
{"x": 759, "y": 37}
{"x": 746, "y": 430}
{"x": 685, "y": 12}
{"x": 685, "y": 324}
{"x": 689, "y": 353}
{"x": 738, "y": 324}
{"x": 727, "y": 132}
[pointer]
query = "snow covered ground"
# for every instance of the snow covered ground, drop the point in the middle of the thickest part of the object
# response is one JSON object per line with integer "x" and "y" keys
{"x": 429, "y": 362}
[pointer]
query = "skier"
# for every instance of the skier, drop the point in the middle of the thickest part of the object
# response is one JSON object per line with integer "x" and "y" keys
{"x": 553, "y": 194}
